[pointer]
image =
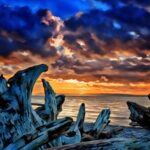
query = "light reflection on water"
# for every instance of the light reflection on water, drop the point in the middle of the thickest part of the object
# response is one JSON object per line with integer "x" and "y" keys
{"x": 94, "y": 104}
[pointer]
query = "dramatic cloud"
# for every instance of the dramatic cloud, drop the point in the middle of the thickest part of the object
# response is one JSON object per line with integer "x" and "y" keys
{"x": 20, "y": 29}
{"x": 121, "y": 70}
{"x": 103, "y": 47}
{"x": 114, "y": 31}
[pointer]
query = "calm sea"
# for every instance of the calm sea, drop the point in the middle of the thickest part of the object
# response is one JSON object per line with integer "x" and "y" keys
{"x": 94, "y": 104}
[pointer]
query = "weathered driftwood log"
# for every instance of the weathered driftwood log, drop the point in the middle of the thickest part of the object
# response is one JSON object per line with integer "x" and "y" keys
{"x": 101, "y": 122}
{"x": 139, "y": 114}
{"x": 23, "y": 128}
{"x": 60, "y": 99}
{"x": 107, "y": 133}
{"x": 48, "y": 135}
{"x": 49, "y": 111}
{"x": 80, "y": 119}
{"x": 53, "y": 104}
{"x": 41, "y": 135}
{"x": 108, "y": 144}
{"x": 110, "y": 133}
{"x": 16, "y": 114}
{"x": 73, "y": 135}
{"x": 129, "y": 138}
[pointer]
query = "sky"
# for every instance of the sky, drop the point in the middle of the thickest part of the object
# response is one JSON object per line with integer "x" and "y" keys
{"x": 90, "y": 46}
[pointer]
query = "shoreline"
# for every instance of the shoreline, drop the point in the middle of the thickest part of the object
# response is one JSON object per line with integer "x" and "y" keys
{"x": 127, "y": 138}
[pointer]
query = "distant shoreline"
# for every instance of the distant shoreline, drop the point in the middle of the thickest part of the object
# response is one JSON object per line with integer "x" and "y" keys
{"x": 123, "y": 95}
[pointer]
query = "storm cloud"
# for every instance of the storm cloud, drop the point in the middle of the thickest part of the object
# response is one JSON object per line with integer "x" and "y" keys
{"x": 126, "y": 28}
{"x": 21, "y": 29}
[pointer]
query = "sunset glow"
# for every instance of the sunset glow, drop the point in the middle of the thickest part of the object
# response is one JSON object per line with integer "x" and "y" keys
{"x": 91, "y": 49}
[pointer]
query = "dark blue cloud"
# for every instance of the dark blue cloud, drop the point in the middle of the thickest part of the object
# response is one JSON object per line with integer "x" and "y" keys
{"x": 125, "y": 28}
{"x": 21, "y": 29}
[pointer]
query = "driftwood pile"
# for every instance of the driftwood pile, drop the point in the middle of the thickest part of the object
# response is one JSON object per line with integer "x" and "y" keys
{"x": 140, "y": 115}
{"x": 23, "y": 128}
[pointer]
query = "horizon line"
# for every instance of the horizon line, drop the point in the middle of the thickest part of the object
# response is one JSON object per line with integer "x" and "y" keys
{"x": 101, "y": 94}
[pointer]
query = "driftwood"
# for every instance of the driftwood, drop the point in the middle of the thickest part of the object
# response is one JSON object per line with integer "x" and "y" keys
{"x": 101, "y": 122}
{"x": 49, "y": 112}
{"x": 97, "y": 131}
{"x": 73, "y": 135}
{"x": 59, "y": 101}
{"x": 80, "y": 119}
{"x": 41, "y": 135}
{"x": 76, "y": 133}
{"x": 16, "y": 114}
{"x": 18, "y": 122}
{"x": 53, "y": 104}
{"x": 109, "y": 133}
{"x": 139, "y": 114}
{"x": 108, "y": 144}
{"x": 124, "y": 138}
{"x": 25, "y": 128}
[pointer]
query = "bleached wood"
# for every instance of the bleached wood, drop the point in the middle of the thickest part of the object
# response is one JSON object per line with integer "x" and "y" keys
{"x": 16, "y": 118}
{"x": 139, "y": 114}
{"x": 53, "y": 104}
{"x": 74, "y": 133}
{"x": 101, "y": 122}
{"x": 41, "y": 135}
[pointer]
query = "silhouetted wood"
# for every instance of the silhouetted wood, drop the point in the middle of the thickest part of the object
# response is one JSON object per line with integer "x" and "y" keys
{"x": 139, "y": 114}
{"x": 80, "y": 119}
{"x": 101, "y": 122}
{"x": 130, "y": 138}
{"x": 75, "y": 132}
{"x": 49, "y": 111}
{"x": 108, "y": 144}
{"x": 41, "y": 135}
{"x": 53, "y": 104}
{"x": 23, "y": 128}
{"x": 73, "y": 135}
{"x": 110, "y": 132}
{"x": 60, "y": 99}
{"x": 16, "y": 114}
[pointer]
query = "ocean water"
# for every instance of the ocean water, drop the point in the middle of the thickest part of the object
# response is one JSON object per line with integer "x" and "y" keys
{"x": 94, "y": 105}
